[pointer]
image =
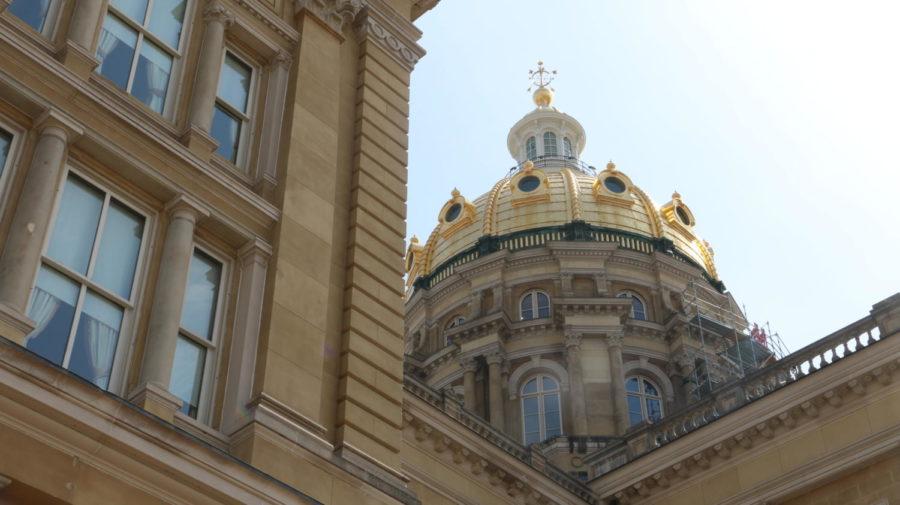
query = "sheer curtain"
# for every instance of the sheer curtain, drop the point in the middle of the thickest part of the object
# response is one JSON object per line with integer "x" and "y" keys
{"x": 107, "y": 43}
{"x": 157, "y": 82}
{"x": 43, "y": 306}
{"x": 102, "y": 340}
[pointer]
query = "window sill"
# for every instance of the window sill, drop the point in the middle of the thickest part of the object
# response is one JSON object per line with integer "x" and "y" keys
{"x": 231, "y": 169}
{"x": 122, "y": 98}
{"x": 25, "y": 30}
{"x": 201, "y": 431}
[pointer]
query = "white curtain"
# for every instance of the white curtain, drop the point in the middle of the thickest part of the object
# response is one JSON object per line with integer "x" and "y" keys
{"x": 43, "y": 306}
{"x": 157, "y": 81}
{"x": 102, "y": 341}
{"x": 107, "y": 43}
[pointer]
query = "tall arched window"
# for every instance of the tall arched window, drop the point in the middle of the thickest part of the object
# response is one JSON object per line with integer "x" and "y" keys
{"x": 644, "y": 400}
{"x": 454, "y": 321}
{"x": 637, "y": 305}
{"x": 541, "y": 417}
{"x": 550, "y": 148}
{"x": 531, "y": 148}
{"x": 567, "y": 147}
{"x": 534, "y": 305}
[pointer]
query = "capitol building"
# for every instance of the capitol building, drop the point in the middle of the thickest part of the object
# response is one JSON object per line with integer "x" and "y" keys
{"x": 209, "y": 295}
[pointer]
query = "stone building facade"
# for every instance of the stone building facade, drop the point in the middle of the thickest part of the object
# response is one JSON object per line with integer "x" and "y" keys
{"x": 202, "y": 223}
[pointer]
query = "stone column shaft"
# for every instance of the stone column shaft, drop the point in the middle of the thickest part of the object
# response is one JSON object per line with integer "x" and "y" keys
{"x": 209, "y": 65}
{"x": 168, "y": 298}
{"x": 469, "y": 385}
{"x": 85, "y": 19}
{"x": 22, "y": 252}
{"x": 576, "y": 385}
{"x": 614, "y": 344}
{"x": 495, "y": 385}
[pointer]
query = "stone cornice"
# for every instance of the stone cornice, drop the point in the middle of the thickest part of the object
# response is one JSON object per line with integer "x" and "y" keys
{"x": 268, "y": 18}
{"x": 333, "y": 13}
{"x": 379, "y": 24}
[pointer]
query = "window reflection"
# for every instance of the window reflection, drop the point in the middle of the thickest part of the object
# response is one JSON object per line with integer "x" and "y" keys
{"x": 33, "y": 12}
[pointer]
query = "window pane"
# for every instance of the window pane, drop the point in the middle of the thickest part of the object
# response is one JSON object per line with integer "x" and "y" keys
{"x": 201, "y": 295}
{"x": 550, "y": 148}
{"x": 532, "y": 424}
{"x": 187, "y": 374}
{"x": 96, "y": 340}
{"x": 551, "y": 416}
{"x": 151, "y": 79}
{"x": 635, "y": 414}
{"x": 549, "y": 384}
{"x": 52, "y": 309}
{"x": 119, "y": 248}
{"x": 234, "y": 83}
{"x": 632, "y": 385}
{"x": 226, "y": 129}
{"x": 530, "y": 387}
{"x": 33, "y": 12}
{"x": 650, "y": 389}
{"x": 5, "y": 143}
{"x": 76, "y": 225}
{"x": 567, "y": 146}
{"x": 135, "y": 9}
{"x": 654, "y": 410}
{"x": 543, "y": 305}
{"x": 532, "y": 437}
{"x": 166, "y": 20}
{"x": 530, "y": 406}
{"x": 116, "y": 51}
{"x": 637, "y": 309}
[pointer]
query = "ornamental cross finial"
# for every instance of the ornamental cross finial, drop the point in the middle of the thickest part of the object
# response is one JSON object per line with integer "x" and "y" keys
{"x": 541, "y": 77}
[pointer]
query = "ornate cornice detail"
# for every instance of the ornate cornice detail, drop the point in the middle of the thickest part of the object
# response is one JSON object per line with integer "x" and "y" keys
{"x": 269, "y": 19}
{"x": 389, "y": 35}
{"x": 334, "y": 13}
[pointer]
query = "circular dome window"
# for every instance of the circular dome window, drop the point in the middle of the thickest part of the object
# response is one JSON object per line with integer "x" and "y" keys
{"x": 452, "y": 213}
{"x": 529, "y": 183}
{"x": 614, "y": 184}
{"x": 683, "y": 215}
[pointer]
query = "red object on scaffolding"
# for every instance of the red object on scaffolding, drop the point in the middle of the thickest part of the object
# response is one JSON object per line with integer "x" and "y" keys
{"x": 759, "y": 336}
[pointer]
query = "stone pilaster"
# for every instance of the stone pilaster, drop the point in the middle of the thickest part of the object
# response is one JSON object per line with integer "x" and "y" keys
{"x": 469, "y": 366}
{"x": 77, "y": 53}
{"x": 616, "y": 370}
{"x": 216, "y": 19}
{"x": 495, "y": 393}
{"x": 22, "y": 252}
{"x": 168, "y": 297}
{"x": 273, "y": 117}
{"x": 576, "y": 383}
{"x": 475, "y": 305}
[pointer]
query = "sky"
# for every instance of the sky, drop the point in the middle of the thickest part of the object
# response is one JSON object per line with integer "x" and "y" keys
{"x": 778, "y": 121}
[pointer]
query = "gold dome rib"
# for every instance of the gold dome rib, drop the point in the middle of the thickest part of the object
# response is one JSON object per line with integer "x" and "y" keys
{"x": 707, "y": 258}
{"x": 652, "y": 213}
{"x": 574, "y": 194}
{"x": 429, "y": 249}
{"x": 490, "y": 210}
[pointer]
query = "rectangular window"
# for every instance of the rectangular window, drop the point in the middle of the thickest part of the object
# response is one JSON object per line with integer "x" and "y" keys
{"x": 85, "y": 285}
{"x": 6, "y": 139}
{"x": 196, "y": 340}
{"x": 33, "y": 12}
{"x": 231, "y": 116}
{"x": 139, "y": 46}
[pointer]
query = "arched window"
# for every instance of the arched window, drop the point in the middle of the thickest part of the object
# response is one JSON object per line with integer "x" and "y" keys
{"x": 541, "y": 417}
{"x": 637, "y": 305}
{"x": 567, "y": 147}
{"x": 644, "y": 400}
{"x": 454, "y": 321}
{"x": 531, "y": 148}
{"x": 534, "y": 305}
{"x": 550, "y": 148}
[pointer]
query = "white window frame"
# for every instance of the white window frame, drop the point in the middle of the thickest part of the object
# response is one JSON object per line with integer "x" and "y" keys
{"x": 169, "y": 105}
{"x": 454, "y": 322}
{"x": 631, "y": 294}
{"x": 542, "y": 422}
{"x": 245, "y": 140}
{"x": 535, "y": 305}
{"x": 129, "y": 307}
{"x": 529, "y": 155}
{"x": 214, "y": 344}
{"x": 555, "y": 143}
{"x": 12, "y": 159}
{"x": 51, "y": 21}
{"x": 567, "y": 148}
{"x": 643, "y": 397}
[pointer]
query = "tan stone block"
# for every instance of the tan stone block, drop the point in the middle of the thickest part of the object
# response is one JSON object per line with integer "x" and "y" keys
{"x": 386, "y": 456}
{"x": 371, "y": 329}
{"x": 293, "y": 386}
{"x": 389, "y": 227}
{"x": 389, "y": 172}
{"x": 374, "y": 351}
{"x": 846, "y": 429}
{"x": 720, "y": 486}
{"x": 394, "y": 147}
{"x": 392, "y": 201}
{"x": 360, "y": 278}
{"x": 371, "y": 85}
{"x": 691, "y": 495}
{"x": 390, "y": 213}
{"x": 384, "y": 404}
{"x": 759, "y": 469}
{"x": 396, "y": 166}
{"x": 299, "y": 473}
{"x": 380, "y": 109}
{"x": 303, "y": 249}
{"x": 297, "y": 341}
{"x": 376, "y": 72}
{"x": 301, "y": 294}
{"x": 310, "y": 211}
{"x": 382, "y": 268}
{"x": 378, "y": 249}
{"x": 369, "y": 117}
{"x": 383, "y": 378}
{"x": 801, "y": 450}
{"x": 885, "y": 412}
{"x": 374, "y": 53}
{"x": 378, "y": 310}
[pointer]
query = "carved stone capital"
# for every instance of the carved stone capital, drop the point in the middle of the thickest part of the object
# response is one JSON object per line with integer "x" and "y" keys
{"x": 282, "y": 59}
{"x": 573, "y": 341}
{"x": 468, "y": 365}
{"x": 215, "y": 12}
{"x": 614, "y": 340}
{"x": 334, "y": 13}
{"x": 495, "y": 358}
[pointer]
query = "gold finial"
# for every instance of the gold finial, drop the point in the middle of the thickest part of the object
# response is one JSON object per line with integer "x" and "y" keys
{"x": 414, "y": 240}
{"x": 528, "y": 166}
{"x": 541, "y": 78}
{"x": 676, "y": 196}
{"x": 454, "y": 193}
{"x": 610, "y": 166}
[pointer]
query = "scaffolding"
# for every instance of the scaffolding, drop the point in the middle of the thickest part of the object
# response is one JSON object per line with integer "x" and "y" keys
{"x": 729, "y": 347}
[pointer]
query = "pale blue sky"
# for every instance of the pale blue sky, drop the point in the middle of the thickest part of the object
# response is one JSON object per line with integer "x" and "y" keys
{"x": 778, "y": 121}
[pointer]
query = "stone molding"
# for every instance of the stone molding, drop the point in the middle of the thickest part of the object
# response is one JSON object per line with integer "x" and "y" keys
{"x": 334, "y": 13}
{"x": 536, "y": 364}
{"x": 271, "y": 20}
{"x": 216, "y": 12}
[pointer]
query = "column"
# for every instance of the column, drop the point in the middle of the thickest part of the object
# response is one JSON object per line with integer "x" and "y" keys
{"x": 576, "y": 384}
{"x": 206, "y": 81}
{"x": 497, "y": 304}
{"x": 22, "y": 253}
{"x": 78, "y": 53}
{"x": 165, "y": 314}
{"x": 273, "y": 118}
{"x": 254, "y": 264}
{"x": 614, "y": 346}
{"x": 495, "y": 392}
{"x": 470, "y": 366}
{"x": 475, "y": 302}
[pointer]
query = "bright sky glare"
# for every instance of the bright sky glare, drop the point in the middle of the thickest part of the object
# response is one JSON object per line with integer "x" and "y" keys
{"x": 776, "y": 120}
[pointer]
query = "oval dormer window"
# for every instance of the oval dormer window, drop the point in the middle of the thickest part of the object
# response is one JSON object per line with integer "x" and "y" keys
{"x": 683, "y": 215}
{"x": 528, "y": 183}
{"x": 614, "y": 184}
{"x": 453, "y": 213}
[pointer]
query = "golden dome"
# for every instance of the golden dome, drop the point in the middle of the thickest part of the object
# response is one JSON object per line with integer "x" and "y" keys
{"x": 543, "y": 97}
{"x": 551, "y": 194}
